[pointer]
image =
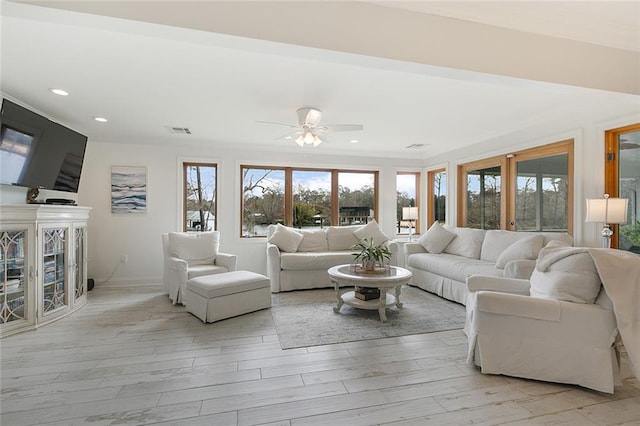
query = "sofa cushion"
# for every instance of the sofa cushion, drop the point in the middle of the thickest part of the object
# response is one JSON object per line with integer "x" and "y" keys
{"x": 565, "y": 273}
{"x": 341, "y": 237}
{"x": 436, "y": 238}
{"x": 287, "y": 239}
{"x": 313, "y": 240}
{"x": 197, "y": 248}
{"x": 371, "y": 231}
{"x": 467, "y": 243}
{"x": 314, "y": 261}
{"x": 452, "y": 266}
{"x": 525, "y": 248}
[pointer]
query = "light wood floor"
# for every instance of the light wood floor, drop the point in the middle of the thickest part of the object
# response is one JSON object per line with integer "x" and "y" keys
{"x": 130, "y": 357}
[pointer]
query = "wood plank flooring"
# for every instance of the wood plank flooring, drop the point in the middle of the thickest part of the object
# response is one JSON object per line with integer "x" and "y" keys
{"x": 130, "y": 357}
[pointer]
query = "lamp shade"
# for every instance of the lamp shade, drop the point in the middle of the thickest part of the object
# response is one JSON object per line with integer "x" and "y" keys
{"x": 410, "y": 213}
{"x": 607, "y": 210}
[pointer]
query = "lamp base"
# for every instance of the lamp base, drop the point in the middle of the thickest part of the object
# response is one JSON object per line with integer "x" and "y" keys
{"x": 606, "y": 236}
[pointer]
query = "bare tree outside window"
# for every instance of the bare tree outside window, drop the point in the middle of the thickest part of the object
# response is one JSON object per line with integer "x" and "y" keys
{"x": 199, "y": 196}
{"x": 262, "y": 200}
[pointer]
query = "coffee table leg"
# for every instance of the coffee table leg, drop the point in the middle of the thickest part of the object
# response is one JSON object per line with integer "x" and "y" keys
{"x": 397, "y": 291}
{"x": 382, "y": 305}
{"x": 340, "y": 302}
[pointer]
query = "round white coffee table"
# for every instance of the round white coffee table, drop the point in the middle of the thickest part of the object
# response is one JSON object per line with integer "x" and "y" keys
{"x": 389, "y": 285}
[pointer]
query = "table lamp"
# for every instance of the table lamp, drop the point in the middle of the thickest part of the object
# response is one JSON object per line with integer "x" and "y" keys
{"x": 607, "y": 211}
{"x": 410, "y": 214}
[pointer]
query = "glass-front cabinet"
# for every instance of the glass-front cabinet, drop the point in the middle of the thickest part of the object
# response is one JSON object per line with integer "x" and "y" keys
{"x": 54, "y": 294}
{"x": 15, "y": 296}
{"x": 43, "y": 264}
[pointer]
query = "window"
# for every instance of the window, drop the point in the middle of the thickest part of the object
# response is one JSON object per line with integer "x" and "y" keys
{"x": 356, "y": 197}
{"x": 311, "y": 198}
{"x": 622, "y": 179}
{"x": 199, "y": 192}
{"x": 531, "y": 190}
{"x": 407, "y": 196}
{"x": 263, "y": 200}
{"x": 480, "y": 197}
{"x": 437, "y": 196}
{"x": 305, "y": 198}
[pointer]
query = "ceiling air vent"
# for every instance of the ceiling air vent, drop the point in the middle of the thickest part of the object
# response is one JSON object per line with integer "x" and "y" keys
{"x": 415, "y": 146}
{"x": 179, "y": 130}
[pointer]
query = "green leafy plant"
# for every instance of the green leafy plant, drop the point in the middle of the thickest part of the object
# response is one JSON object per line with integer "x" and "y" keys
{"x": 371, "y": 255}
{"x": 632, "y": 233}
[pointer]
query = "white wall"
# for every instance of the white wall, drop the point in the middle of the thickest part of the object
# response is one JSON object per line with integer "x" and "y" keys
{"x": 138, "y": 235}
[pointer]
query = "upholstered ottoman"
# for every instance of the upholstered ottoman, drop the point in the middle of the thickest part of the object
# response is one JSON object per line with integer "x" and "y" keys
{"x": 215, "y": 297}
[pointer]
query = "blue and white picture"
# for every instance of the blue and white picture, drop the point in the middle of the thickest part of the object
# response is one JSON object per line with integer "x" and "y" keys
{"x": 128, "y": 189}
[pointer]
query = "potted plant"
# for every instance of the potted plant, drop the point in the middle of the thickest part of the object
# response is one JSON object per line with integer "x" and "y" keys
{"x": 372, "y": 258}
{"x": 632, "y": 233}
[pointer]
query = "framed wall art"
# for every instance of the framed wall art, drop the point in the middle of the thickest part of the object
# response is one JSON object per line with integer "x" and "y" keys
{"x": 128, "y": 189}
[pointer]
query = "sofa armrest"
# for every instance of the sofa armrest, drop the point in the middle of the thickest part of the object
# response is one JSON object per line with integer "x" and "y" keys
{"x": 229, "y": 261}
{"x": 519, "y": 268}
{"x": 393, "y": 248}
{"x": 412, "y": 248}
{"x": 273, "y": 267}
{"x": 498, "y": 284}
{"x": 519, "y": 306}
{"x": 175, "y": 263}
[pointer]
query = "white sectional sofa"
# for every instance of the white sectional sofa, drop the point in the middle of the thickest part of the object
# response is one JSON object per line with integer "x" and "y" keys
{"x": 443, "y": 258}
{"x": 299, "y": 259}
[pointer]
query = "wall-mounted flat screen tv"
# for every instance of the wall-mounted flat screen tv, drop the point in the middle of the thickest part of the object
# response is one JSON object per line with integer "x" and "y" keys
{"x": 36, "y": 152}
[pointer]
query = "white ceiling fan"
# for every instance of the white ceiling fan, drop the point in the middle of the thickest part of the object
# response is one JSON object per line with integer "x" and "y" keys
{"x": 308, "y": 131}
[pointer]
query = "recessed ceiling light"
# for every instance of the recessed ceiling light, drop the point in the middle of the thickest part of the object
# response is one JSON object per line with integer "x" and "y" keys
{"x": 100, "y": 119}
{"x": 353, "y": 141}
{"x": 59, "y": 92}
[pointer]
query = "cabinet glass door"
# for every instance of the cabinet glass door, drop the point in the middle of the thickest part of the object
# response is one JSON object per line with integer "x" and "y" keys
{"x": 13, "y": 277}
{"x": 79, "y": 269}
{"x": 54, "y": 283}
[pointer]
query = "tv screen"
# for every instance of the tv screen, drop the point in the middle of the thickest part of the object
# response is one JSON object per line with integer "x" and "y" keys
{"x": 38, "y": 153}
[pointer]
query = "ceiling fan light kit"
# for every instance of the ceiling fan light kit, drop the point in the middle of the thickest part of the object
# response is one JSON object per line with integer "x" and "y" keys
{"x": 308, "y": 131}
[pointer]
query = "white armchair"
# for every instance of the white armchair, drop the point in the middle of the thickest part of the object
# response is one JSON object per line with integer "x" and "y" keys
{"x": 562, "y": 325}
{"x": 192, "y": 254}
{"x": 512, "y": 333}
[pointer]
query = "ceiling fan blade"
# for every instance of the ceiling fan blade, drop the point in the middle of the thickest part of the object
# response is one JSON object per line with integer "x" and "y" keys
{"x": 344, "y": 127}
{"x": 277, "y": 124}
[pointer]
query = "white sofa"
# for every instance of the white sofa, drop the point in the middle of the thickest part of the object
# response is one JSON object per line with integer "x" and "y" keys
{"x": 299, "y": 259}
{"x": 443, "y": 257}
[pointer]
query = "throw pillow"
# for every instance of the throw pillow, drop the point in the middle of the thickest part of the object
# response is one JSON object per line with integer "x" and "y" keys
{"x": 467, "y": 243}
{"x": 195, "y": 247}
{"x": 371, "y": 231}
{"x": 286, "y": 238}
{"x": 341, "y": 237}
{"x": 436, "y": 238}
{"x": 565, "y": 273}
{"x": 313, "y": 240}
{"x": 526, "y": 248}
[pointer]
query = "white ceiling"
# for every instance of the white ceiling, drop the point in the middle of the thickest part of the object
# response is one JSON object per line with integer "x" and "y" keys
{"x": 146, "y": 77}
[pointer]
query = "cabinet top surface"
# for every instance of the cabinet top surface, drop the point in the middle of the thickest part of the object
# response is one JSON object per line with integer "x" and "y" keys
{"x": 30, "y": 212}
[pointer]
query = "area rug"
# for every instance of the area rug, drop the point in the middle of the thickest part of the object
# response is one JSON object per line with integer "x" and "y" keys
{"x": 306, "y": 318}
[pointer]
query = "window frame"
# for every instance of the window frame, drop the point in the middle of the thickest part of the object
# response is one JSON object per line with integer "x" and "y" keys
{"x": 612, "y": 169}
{"x": 508, "y": 185}
{"x": 185, "y": 192}
{"x": 288, "y": 191}
{"x": 417, "y": 225}
{"x": 431, "y": 211}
